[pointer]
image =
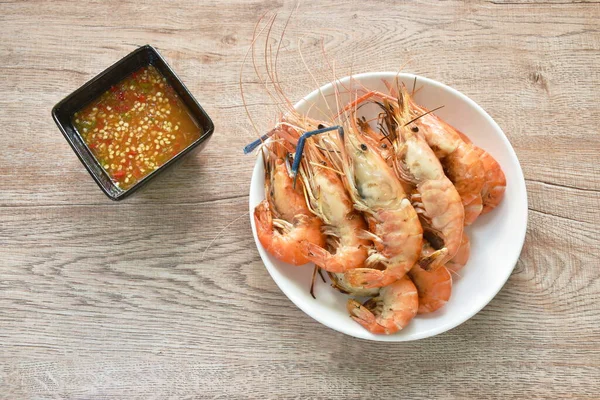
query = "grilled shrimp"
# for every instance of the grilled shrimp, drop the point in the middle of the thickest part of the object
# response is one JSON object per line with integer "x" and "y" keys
{"x": 283, "y": 219}
{"x": 343, "y": 226}
{"x": 435, "y": 198}
{"x": 390, "y": 311}
{"x": 460, "y": 159}
{"x": 375, "y": 190}
{"x": 495, "y": 181}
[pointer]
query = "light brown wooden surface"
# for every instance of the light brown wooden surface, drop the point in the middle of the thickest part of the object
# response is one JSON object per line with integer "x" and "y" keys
{"x": 104, "y": 300}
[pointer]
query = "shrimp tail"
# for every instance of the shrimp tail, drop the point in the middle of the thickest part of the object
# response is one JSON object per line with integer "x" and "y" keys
{"x": 390, "y": 311}
{"x": 285, "y": 245}
{"x": 320, "y": 257}
{"x": 434, "y": 260}
{"x": 343, "y": 260}
{"x": 263, "y": 219}
{"x": 364, "y": 316}
{"x": 369, "y": 277}
{"x": 434, "y": 288}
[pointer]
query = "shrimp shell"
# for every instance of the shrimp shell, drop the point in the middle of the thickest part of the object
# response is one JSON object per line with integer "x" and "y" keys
{"x": 328, "y": 199}
{"x": 495, "y": 181}
{"x": 460, "y": 159}
{"x": 434, "y": 287}
{"x": 283, "y": 220}
{"x": 436, "y": 199}
{"x": 461, "y": 257}
{"x": 390, "y": 311}
{"x": 376, "y": 191}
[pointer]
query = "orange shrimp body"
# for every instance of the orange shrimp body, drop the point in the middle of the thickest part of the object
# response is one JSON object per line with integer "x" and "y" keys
{"x": 345, "y": 247}
{"x": 494, "y": 182}
{"x": 340, "y": 283}
{"x": 283, "y": 220}
{"x": 376, "y": 191}
{"x": 343, "y": 225}
{"x": 461, "y": 257}
{"x": 390, "y": 311}
{"x": 434, "y": 287}
{"x": 460, "y": 159}
{"x": 435, "y": 197}
{"x": 397, "y": 233}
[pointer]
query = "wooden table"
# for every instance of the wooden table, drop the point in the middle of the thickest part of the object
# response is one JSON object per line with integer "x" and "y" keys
{"x": 164, "y": 295}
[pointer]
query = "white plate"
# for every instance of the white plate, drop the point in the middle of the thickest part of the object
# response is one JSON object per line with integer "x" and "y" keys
{"x": 496, "y": 238}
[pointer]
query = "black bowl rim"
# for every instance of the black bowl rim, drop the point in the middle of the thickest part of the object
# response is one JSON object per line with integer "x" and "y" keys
{"x": 125, "y": 193}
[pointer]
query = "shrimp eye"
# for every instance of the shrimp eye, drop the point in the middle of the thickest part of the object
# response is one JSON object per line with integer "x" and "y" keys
{"x": 363, "y": 147}
{"x": 323, "y": 163}
{"x": 415, "y": 129}
{"x": 321, "y": 126}
{"x": 383, "y": 146}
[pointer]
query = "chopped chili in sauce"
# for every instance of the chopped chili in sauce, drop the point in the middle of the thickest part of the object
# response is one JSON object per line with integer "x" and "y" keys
{"x": 136, "y": 126}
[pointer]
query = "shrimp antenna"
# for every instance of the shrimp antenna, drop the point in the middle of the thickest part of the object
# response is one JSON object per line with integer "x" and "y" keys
{"x": 268, "y": 27}
{"x": 300, "y": 146}
{"x": 332, "y": 69}
{"x": 422, "y": 115}
{"x": 254, "y": 38}
{"x": 272, "y": 70}
{"x": 399, "y": 98}
{"x": 275, "y": 70}
{"x": 313, "y": 78}
{"x": 275, "y": 93}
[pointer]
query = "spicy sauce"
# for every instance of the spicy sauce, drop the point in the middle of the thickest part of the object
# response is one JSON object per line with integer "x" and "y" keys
{"x": 136, "y": 126}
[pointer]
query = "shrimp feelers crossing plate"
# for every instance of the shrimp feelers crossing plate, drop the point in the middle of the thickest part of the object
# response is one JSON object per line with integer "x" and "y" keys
{"x": 496, "y": 238}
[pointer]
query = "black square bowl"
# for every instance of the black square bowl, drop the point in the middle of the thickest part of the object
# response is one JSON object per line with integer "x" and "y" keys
{"x": 64, "y": 110}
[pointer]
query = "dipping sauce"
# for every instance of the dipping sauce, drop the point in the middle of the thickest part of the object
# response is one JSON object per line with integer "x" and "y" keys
{"x": 136, "y": 126}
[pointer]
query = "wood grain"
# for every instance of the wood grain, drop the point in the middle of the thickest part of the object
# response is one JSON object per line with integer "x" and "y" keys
{"x": 100, "y": 300}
